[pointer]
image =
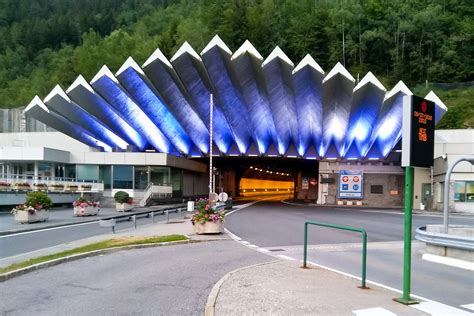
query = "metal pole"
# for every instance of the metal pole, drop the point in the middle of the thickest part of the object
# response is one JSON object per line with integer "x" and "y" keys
{"x": 211, "y": 109}
{"x": 305, "y": 244}
{"x": 364, "y": 258}
{"x": 405, "y": 299}
{"x": 447, "y": 180}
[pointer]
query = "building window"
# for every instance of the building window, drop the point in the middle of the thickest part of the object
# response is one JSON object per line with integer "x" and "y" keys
{"x": 123, "y": 177}
{"x": 464, "y": 191}
{"x": 376, "y": 189}
{"x": 141, "y": 178}
{"x": 70, "y": 172}
{"x": 105, "y": 176}
{"x": 470, "y": 191}
{"x": 160, "y": 175}
{"x": 89, "y": 173}
{"x": 176, "y": 179}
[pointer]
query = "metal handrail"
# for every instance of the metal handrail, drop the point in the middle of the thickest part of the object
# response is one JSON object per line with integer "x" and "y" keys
{"x": 446, "y": 240}
{"x": 341, "y": 227}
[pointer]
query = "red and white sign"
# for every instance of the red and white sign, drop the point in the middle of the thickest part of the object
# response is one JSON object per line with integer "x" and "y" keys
{"x": 313, "y": 181}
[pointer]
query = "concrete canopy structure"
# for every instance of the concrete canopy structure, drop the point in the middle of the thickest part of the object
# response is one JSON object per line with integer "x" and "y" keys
{"x": 267, "y": 107}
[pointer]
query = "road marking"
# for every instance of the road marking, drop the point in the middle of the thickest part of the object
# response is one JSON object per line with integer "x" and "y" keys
{"x": 468, "y": 306}
{"x": 376, "y": 311}
{"x": 286, "y": 257}
{"x": 253, "y": 246}
{"x": 263, "y": 250}
{"x": 435, "y": 308}
{"x": 245, "y": 242}
{"x": 240, "y": 207}
{"x": 449, "y": 261}
{"x": 452, "y": 310}
{"x": 47, "y": 229}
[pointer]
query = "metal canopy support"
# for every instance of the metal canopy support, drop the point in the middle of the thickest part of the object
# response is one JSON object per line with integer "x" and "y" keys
{"x": 447, "y": 180}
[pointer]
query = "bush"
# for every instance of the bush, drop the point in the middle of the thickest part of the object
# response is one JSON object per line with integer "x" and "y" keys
{"x": 38, "y": 200}
{"x": 121, "y": 197}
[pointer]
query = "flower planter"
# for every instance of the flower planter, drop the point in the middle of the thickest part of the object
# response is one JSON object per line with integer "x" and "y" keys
{"x": 71, "y": 189}
{"x": 56, "y": 189}
{"x": 123, "y": 207}
{"x": 86, "y": 211}
{"x": 22, "y": 187}
{"x": 5, "y": 188}
{"x": 27, "y": 217}
{"x": 40, "y": 188}
{"x": 83, "y": 189}
{"x": 209, "y": 228}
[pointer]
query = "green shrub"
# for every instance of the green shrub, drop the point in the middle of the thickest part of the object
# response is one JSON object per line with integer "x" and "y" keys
{"x": 36, "y": 199}
{"x": 121, "y": 197}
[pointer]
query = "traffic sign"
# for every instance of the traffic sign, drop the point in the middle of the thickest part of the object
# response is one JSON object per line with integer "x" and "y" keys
{"x": 313, "y": 181}
{"x": 418, "y": 132}
{"x": 350, "y": 184}
{"x": 223, "y": 197}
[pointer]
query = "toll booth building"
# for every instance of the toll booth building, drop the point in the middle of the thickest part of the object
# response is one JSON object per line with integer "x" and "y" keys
{"x": 277, "y": 128}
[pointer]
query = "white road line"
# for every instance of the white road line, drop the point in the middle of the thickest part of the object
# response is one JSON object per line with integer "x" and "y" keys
{"x": 376, "y": 311}
{"x": 449, "y": 261}
{"x": 468, "y": 306}
{"x": 47, "y": 229}
{"x": 253, "y": 246}
{"x": 452, "y": 310}
{"x": 245, "y": 242}
{"x": 286, "y": 257}
{"x": 438, "y": 309}
{"x": 263, "y": 250}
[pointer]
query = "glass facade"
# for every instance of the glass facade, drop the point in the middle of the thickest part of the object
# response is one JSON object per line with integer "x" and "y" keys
{"x": 176, "y": 179}
{"x": 159, "y": 175}
{"x": 105, "y": 175}
{"x": 89, "y": 173}
{"x": 122, "y": 177}
{"x": 141, "y": 177}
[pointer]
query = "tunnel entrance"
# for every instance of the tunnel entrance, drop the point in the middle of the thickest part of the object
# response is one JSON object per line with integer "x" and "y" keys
{"x": 263, "y": 176}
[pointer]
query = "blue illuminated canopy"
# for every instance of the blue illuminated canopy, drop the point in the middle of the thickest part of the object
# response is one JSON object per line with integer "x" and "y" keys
{"x": 266, "y": 107}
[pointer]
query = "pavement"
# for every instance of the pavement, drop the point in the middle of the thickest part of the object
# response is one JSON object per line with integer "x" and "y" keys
{"x": 64, "y": 217}
{"x": 279, "y": 287}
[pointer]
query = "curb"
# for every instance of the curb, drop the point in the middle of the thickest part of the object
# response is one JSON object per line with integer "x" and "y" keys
{"x": 9, "y": 275}
{"x": 209, "y": 310}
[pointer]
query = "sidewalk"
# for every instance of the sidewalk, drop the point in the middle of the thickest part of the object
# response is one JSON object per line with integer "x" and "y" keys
{"x": 63, "y": 217}
{"x": 284, "y": 288}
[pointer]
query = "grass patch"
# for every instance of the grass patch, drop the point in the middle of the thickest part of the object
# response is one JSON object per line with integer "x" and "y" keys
{"x": 106, "y": 244}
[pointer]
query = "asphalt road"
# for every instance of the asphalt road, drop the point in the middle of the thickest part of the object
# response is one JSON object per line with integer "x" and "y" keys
{"x": 280, "y": 228}
{"x": 172, "y": 280}
{"x": 270, "y": 224}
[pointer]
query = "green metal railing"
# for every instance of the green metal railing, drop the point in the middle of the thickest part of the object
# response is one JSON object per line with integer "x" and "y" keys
{"x": 341, "y": 227}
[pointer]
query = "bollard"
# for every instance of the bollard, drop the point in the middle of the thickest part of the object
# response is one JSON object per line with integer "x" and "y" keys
{"x": 134, "y": 219}
{"x": 152, "y": 214}
{"x": 168, "y": 213}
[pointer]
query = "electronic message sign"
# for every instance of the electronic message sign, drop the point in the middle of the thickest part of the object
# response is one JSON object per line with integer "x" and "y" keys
{"x": 418, "y": 132}
{"x": 350, "y": 184}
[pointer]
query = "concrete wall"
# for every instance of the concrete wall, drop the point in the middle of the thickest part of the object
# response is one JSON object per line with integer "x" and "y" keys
{"x": 389, "y": 176}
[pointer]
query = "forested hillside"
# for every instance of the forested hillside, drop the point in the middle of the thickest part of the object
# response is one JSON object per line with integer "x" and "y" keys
{"x": 45, "y": 42}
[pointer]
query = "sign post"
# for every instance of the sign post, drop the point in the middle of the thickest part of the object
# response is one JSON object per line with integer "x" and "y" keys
{"x": 417, "y": 151}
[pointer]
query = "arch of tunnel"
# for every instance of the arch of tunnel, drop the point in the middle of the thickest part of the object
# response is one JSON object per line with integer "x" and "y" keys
{"x": 275, "y": 121}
